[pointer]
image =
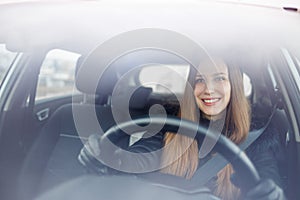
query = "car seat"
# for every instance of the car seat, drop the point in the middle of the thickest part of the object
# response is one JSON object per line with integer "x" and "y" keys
{"x": 52, "y": 158}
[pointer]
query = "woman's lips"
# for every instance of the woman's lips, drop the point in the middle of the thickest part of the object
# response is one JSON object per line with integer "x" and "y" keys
{"x": 210, "y": 101}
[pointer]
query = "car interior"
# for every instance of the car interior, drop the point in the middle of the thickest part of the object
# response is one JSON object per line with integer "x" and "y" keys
{"x": 53, "y": 156}
{"x": 41, "y": 139}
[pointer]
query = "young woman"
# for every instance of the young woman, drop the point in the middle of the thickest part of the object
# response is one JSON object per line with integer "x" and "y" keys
{"x": 215, "y": 94}
{"x": 219, "y": 96}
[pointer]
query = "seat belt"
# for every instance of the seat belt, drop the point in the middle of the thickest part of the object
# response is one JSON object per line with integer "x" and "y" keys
{"x": 217, "y": 163}
{"x": 202, "y": 175}
{"x": 206, "y": 172}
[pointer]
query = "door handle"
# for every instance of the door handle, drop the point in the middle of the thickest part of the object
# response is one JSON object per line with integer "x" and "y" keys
{"x": 43, "y": 114}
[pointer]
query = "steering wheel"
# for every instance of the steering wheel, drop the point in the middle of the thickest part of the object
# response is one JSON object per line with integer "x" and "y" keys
{"x": 99, "y": 187}
{"x": 242, "y": 165}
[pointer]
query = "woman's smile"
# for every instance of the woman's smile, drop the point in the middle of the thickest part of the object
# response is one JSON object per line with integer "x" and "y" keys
{"x": 210, "y": 101}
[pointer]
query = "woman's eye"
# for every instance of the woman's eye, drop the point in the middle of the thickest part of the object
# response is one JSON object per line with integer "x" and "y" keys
{"x": 199, "y": 80}
{"x": 220, "y": 78}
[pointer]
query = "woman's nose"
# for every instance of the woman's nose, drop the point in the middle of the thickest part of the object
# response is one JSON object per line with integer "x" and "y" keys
{"x": 209, "y": 87}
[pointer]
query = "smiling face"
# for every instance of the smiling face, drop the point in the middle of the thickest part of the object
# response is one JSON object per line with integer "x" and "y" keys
{"x": 212, "y": 88}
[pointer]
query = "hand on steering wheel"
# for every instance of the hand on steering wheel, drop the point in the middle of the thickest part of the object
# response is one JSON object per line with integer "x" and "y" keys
{"x": 240, "y": 162}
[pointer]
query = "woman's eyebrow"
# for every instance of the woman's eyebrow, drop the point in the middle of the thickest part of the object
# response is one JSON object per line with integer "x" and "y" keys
{"x": 215, "y": 74}
{"x": 199, "y": 75}
{"x": 221, "y": 73}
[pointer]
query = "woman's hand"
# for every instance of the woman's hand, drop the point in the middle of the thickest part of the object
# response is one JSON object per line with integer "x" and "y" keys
{"x": 266, "y": 189}
{"x": 88, "y": 154}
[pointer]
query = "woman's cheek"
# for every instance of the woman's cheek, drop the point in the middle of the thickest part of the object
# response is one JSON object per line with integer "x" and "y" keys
{"x": 198, "y": 90}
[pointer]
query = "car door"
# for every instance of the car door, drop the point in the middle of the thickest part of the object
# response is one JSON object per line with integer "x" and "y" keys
{"x": 34, "y": 86}
{"x": 288, "y": 77}
{"x": 15, "y": 105}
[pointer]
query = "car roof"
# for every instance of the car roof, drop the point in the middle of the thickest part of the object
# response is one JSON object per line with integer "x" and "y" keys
{"x": 82, "y": 25}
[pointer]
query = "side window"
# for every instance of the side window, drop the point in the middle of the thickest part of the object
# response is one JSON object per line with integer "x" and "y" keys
{"x": 57, "y": 74}
{"x": 6, "y": 59}
{"x": 156, "y": 74}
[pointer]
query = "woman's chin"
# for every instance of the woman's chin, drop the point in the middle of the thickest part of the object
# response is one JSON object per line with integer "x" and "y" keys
{"x": 213, "y": 115}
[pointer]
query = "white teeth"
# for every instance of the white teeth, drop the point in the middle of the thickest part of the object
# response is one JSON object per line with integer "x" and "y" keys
{"x": 210, "y": 100}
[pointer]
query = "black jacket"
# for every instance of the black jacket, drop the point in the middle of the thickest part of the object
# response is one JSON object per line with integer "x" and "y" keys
{"x": 265, "y": 153}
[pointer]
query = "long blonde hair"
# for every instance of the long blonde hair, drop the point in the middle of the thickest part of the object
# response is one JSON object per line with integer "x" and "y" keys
{"x": 237, "y": 121}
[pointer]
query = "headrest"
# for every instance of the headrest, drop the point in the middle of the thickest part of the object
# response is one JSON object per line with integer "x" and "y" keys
{"x": 87, "y": 82}
{"x": 138, "y": 99}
